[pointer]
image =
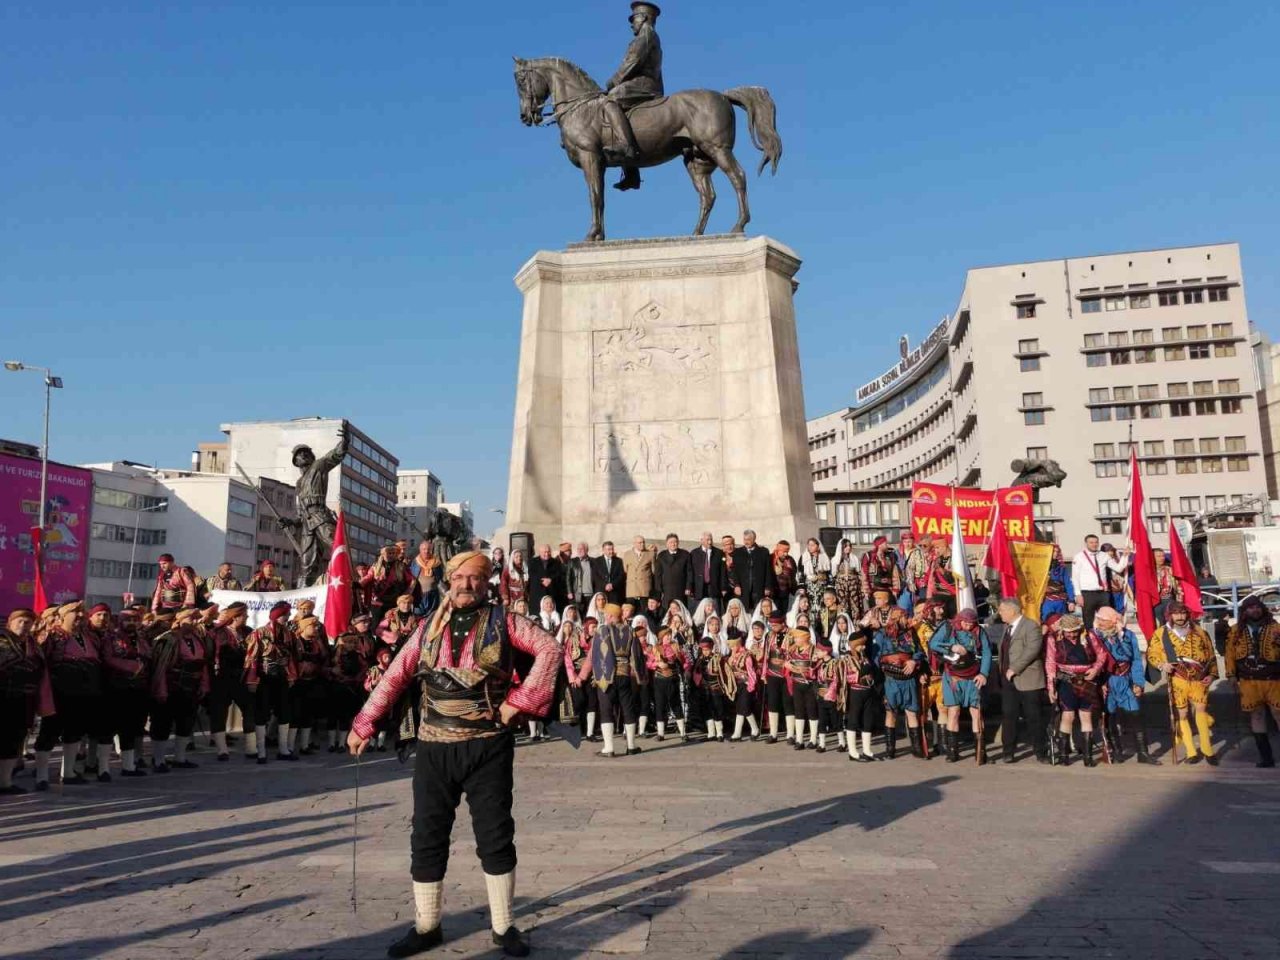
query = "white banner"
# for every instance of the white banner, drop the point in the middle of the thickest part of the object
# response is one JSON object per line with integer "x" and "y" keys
{"x": 260, "y": 604}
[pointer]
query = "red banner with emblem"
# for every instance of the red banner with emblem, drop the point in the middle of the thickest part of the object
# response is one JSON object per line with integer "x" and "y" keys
{"x": 931, "y": 511}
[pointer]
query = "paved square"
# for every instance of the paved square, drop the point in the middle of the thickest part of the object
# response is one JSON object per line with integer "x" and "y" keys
{"x": 687, "y": 851}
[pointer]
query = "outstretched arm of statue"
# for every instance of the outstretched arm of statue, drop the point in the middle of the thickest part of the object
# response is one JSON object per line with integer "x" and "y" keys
{"x": 334, "y": 456}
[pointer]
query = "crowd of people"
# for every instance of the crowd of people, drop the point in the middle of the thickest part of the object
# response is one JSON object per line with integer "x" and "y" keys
{"x": 722, "y": 643}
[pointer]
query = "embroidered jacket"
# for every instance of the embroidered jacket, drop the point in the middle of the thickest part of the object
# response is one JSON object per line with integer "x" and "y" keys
{"x": 1194, "y": 652}
{"x": 1254, "y": 654}
{"x": 269, "y": 652}
{"x": 23, "y": 673}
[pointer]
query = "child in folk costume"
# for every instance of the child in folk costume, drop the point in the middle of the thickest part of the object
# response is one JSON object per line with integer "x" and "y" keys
{"x": 1074, "y": 660}
{"x": 667, "y": 665}
{"x": 929, "y": 617}
{"x": 399, "y": 623}
{"x": 371, "y": 681}
{"x": 349, "y": 663}
{"x": 827, "y": 674}
{"x": 802, "y": 681}
{"x": 581, "y": 693}
{"x": 858, "y": 690}
{"x": 965, "y": 650}
{"x": 1183, "y": 652}
{"x": 709, "y": 676}
{"x": 901, "y": 659}
{"x": 741, "y": 681}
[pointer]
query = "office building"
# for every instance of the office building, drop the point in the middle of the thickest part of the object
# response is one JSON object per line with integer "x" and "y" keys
{"x": 418, "y": 494}
{"x": 1063, "y": 359}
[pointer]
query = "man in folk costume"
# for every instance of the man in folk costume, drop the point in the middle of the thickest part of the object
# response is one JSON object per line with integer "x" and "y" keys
{"x": 309, "y": 692}
{"x": 965, "y": 652}
{"x": 857, "y": 675}
{"x": 227, "y": 648}
{"x": 75, "y": 670}
{"x": 877, "y": 617}
{"x": 802, "y": 683}
{"x": 930, "y": 615}
{"x": 459, "y": 666}
{"x": 773, "y": 667}
{"x": 126, "y": 662}
{"x": 880, "y": 570}
{"x": 901, "y": 659}
{"x": 1183, "y": 652}
{"x": 1074, "y": 662}
{"x": 265, "y": 579}
{"x": 827, "y": 675}
{"x": 741, "y": 677}
{"x": 99, "y": 628}
{"x": 1126, "y": 676}
{"x": 617, "y": 669}
{"x": 25, "y": 691}
{"x": 1253, "y": 662}
{"x": 349, "y": 662}
{"x": 269, "y": 671}
{"x": 224, "y": 579}
{"x": 1059, "y": 591}
{"x": 667, "y": 664}
{"x": 916, "y": 561}
{"x": 399, "y": 623}
{"x": 179, "y": 682}
{"x": 1167, "y": 587}
{"x": 710, "y": 677}
{"x": 174, "y": 588}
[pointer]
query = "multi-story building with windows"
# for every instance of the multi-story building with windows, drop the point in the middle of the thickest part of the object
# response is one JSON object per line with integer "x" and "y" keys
{"x": 364, "y": 485}
{"x": 1067, "y": 360}
{"x": 418, "y": 496}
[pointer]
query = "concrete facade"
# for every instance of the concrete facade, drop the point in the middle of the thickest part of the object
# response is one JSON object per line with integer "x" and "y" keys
{"x": 418, "y": 494}
{"x": 1058, "y": 359}
{"x": 659, "y": 388}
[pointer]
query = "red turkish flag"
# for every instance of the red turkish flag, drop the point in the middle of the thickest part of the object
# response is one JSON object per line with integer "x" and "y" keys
{"x": 1184, "y": 573}
{"x": 39, "y": 602}
{"x": 1145, "y": 594}
{"x": 338, "y": 597}
{"x": 998, "y": 557}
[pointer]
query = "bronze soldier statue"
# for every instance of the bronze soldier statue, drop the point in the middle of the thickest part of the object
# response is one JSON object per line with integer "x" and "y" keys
{"x": 637, "y": 80}
{"x": 316, "y": 521}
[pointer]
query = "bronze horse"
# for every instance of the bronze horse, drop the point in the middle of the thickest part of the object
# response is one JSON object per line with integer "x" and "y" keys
{"x": 697, "y": 125}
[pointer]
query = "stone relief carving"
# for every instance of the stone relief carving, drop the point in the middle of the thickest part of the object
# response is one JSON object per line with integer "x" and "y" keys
{"x": 653, "y": 455}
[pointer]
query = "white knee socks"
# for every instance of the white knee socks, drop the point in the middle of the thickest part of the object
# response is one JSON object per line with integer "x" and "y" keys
{"x": 42, "y": 766}
{"x": 852, "y": 739}
{"x": 104, "y": 758}
{"x": 738, "y": 721}
{"x": 220, "y": 742}
{"x": 591, "y": 724}
{"x": 630, "y": 730}
{"x": 282, "y": 738}
{"x": 774, "y": 720}
{"x": 866, "y": 743}
{"x": 68, "y": 762}
{"x": 259, "y": 736}
{"x": 662, "y": 729}
{"x": 813, "y": 732}
{"x": 304, "y": 738}
{"x": 333, "y": 737}
{"x": 180, "y": 749}
{"x": 791, "y": 729}
{"x": 426, "y": 905}
{"x": 606, "y": 731}
{"x": 502, "y": 894}
{"x": 644, "y": 723}
{"x": 160, "y": 750}
{"x": 680, "y": 727}
{"x": 755, "y": 727}
{"x": 128, "y": 760}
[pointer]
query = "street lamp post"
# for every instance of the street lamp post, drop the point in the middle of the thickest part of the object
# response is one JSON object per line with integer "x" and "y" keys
{"x": 50, "y": 383}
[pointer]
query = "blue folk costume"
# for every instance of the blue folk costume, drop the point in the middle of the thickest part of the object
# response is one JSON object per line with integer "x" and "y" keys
{"x": 959, "y": 673}
{"x": 896, "y": 646}
{"x": 1059, "y": 591}
{"x": 1126, "y": 669}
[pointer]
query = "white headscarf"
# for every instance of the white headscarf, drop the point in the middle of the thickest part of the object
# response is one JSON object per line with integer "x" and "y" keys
{"x": 720, "y": 638}
{"x": 813, "y": 566}
{"x": 841, "y": 633}
{"x": 757, "y": 615}
{"x": 854, "y": 565}
{"x": 706, "y": 607}
{"x": 640, "y": 620}
{"x": 741, "y": 621}
{"x": 596, "y": 609}
{"x": 549, "y": 619}
{"x": 577, "y": 618}
{"x": 795, "y": 609}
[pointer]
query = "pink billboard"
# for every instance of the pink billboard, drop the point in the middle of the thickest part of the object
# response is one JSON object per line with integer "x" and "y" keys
{"x": 66, "y": 542}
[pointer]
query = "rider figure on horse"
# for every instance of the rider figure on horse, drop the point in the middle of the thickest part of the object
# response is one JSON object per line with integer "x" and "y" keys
{"x": 638, "y": 79}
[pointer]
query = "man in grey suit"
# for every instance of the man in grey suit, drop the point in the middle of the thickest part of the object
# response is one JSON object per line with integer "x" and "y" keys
{"x": 1022, "y": 670}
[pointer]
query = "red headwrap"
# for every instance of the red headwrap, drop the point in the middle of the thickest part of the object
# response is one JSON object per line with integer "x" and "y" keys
{"x": 99, "y": 608}
{"x": 279, "y": 611}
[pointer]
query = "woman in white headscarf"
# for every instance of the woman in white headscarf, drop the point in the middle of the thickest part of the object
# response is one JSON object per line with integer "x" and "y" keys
{"x": 704, "y": 610}
{"x": 514, "y": 583}
{"x": 815, "y": 570}
{"x": 763, "y": 611}
{"x": 801, "y": 604}
{"x": 847, "y": 573}
{"x": 572, "y": 615}
{"x": 841, "y": 634}
{"x": 714, "y": 628}
{"x": 595, "y": 609}
{"x": 547, "y": 615}
{"x": 680, "y": 621}
{"x": 736, "y": 616}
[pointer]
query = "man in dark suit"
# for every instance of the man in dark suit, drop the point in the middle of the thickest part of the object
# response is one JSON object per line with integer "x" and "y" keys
{"x": 674, "y": 573}
{"x": 608, "y": 576}
{"x": 753, "y": 565}
{"x": 708, "y": 571}
{"x": 1022, "y": 670}
{"x": 546, "y": 579}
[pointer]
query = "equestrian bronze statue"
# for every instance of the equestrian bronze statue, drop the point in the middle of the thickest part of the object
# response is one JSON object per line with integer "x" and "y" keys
{"x": 632, "y": 124}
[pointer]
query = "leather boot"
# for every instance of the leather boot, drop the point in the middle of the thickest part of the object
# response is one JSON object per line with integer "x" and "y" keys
{"x": 1266, "y": 758}
{"x": 953, "y": 746}
{"x": 1144, "y": 755}
{"x": 891, "y": 742}
{"x": 1116, "y": 743}
{"x": 1086, "y": 749}
{"x": 917, "y": 747}
{"x": 1064, "y": 749}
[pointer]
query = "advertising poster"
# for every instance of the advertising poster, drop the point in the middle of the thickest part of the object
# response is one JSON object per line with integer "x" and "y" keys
{"x": 66, "y": 541}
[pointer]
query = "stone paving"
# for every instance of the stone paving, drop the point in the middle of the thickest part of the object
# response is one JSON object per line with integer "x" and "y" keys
{"x": 696, "y": 850}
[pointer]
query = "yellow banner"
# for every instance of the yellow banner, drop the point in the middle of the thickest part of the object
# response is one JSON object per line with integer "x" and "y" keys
{"x": 1032, "y": 561}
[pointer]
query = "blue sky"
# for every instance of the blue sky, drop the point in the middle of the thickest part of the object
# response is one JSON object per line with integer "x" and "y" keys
{"x": 219, "y": 211}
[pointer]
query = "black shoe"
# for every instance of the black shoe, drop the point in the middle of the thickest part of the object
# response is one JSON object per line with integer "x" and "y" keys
{"x": 1043, "y": 758}
{"x": 191, "y": 745}
{"x": 224, "y": 757}
{"x": 104, "y": 777}
{"x": 632, "y": 751}
{"x": 13, "y": 790}
{"x": 42, "y": 786}
{"x": 185, "y": 765}
{"x": 1211, "y": 759}
{"x": 76, "y": 781}
{"x": 133, "y": 773}
{"x": 811, "y": 745}
{"x": 631, "y": 176}
{"x": 251, "y": 758}
{"x": 773, "y": 738}
{"x": 1193, "y": 759}
{"x": 735, "y": 739}
{"x": 382, "y": 748}
{"x": 661, "y": 738}
{"x": 1009, "y": 758}
{"x": 606, "y": 754}
{"x": 1261, "y": 765}
{"x": 821, "y": 748}
{"x": 262, "y": 761}
{"x": 306, "y": 751}
{"x": 414, "y": 942}
{"x": 512, "y": 943}
{"x": 799, "y": 745}
{"x": 287, "y": 757}
{"x": 160, "y": 767}
{"x": 333, "y": 748}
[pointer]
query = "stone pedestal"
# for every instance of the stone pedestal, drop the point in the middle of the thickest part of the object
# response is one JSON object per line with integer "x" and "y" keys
{"x": 659, "y": 390}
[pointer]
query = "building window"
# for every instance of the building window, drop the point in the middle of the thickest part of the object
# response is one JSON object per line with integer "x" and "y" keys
{"x": 1229, "y": 386}
{"x": 1168, "y": 298}
{"x": 1218, "y": 295}
{"x": 1158, "y": 505}
{"x": 1099, "y": 394}
{"x": 1185, "y": 467}
{"x": 1093, "y": 340}
{"x": 1104, "y": 470}
{"x": 1126, "y": 412}
{"x": 1202, "y": 388}
{"x": 1198, "y": 351}
{"x": 1148, "y": 391}
{"x": 1139, "y": 301}
{"x": 867, "y": 516}
{"x": 1095, "y": 360}
{"x": 1100, "y": 414}
{"x": 1184, "y": 447}
{"x": 1215, "y": 502}
{"x": 1175, "y": 353}
{"x": 1193, "y": 296}
{"x": 1109, "y": 508}
{"x": 1150, "y": 411}
{"x": 1235, "y": 444}
{"x": 1026, "y": 311}
{"x": 1144, "y": 356}
{"x": 1028, "y": 364}
{"x": 1206, "y": 408}
{"x": 1033, "y": 418}
{"x": 1224, "y": 349}
{"x": 1180, "y": 408}
{"x": 1120, "y": 357}
{"x": 1156, "y": 468}
{"x": 1042, "y": 509}
{"x": 1028, "y": 346}
{"x": 1042, "y": 453}
{"x": 1158, "y": 524}
{"x": 1211, "y": 464}
{"x": 245, "y": 508}
{"x": 1237, "y": 464}
{"x": 1103, "y": 450}
{"x": 1177, "y": 390}
{"x": 889, "y": 511}
{"x": 1170, "y": 334}
{"x": 1153, "y": 448}
{"x": 1222, "y": 330}
{"x": 1033, "y": 399}
{"x": 1115, "y": 303}
{"x": 822, "y": 511}
{"x": 1210, "y": 445}
{"x": 237, "y": 539}
{"x": 1198, "y": 332}
{"x": 1090, "y": 306}
{"x": 1143, "y": 336}
{"x": 1111, "y": 527}
{"x": 1188, "y": 504}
